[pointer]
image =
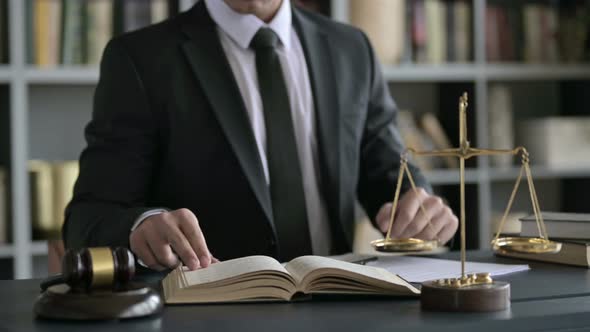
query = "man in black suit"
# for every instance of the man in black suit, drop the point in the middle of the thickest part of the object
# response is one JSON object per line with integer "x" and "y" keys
{"x": 263, "y": 120}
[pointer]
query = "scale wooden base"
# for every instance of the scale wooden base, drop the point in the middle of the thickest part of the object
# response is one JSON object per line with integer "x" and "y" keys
{"x": 59, "y": 302}
{"x": 479, "y": 294}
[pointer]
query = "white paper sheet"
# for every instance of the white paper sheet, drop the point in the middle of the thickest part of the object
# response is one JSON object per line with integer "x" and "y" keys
{"x": 420, "y": 269}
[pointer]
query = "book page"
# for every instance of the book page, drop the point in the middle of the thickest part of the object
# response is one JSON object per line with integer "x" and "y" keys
{"x": 326, "y": 272}
{"x": 224, "y": 272}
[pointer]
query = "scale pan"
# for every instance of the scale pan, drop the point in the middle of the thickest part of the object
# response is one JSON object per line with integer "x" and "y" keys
{"x": 404, "y": 245}
{"x": 526, "y": 245}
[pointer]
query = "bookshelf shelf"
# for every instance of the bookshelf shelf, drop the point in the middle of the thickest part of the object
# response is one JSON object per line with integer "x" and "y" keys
{"x": 431, "y": 73}
{"x": 6, "y": 251}
{"x": 6, "y": 74}
{"x": 62, "y": 75}
{"x": 39, "y": 248}
{"x": 518, "y": 72}
{"x": 493, "y": 72}
{"x": 451, "y": 176}
{"x": 540, "y": 173}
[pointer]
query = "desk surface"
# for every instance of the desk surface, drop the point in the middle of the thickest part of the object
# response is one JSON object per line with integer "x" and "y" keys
{"x": 549, "y": 297}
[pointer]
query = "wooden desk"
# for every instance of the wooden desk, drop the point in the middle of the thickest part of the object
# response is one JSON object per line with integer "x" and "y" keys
{"x": 549, "y": 297}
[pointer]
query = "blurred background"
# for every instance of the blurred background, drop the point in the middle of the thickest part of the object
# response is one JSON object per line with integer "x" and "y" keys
{"x": 525, "y": 65}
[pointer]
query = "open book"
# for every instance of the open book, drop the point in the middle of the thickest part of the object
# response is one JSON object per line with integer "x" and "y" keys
{"x": 260, "y": 278}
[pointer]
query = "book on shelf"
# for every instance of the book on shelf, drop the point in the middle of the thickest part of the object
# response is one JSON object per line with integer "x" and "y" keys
{"x": 512, "y": 225}
{"x": 75, "y": 32}
{"x": 186, "y": 4}
{"x": 415, "y": 138}
{"x": 575, "y": 253}
{"x": 560, "y": 142}
{"x": 436, "y": 31}
{"x": 422, "y": 31}
{"x": 137, "y": 14}
{"x": 99, "y": 14}
{"x": 560, "y": 225}
{"x": 46, "y": 20}
{"x": 262, "y": 278}
{"x": 52, "y": 185}
{"x": 537, "y": 32}
{"x": 459, "y": 31}
{"x": 501, "y": 131}
{"x": 573, "y": 31}
{"x": 383, "y": 22}
{"x": 73, "y": 42}
{"x": 433, "y": 128}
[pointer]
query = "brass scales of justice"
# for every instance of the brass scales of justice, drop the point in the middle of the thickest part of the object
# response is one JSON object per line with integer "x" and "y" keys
{"x": 473, "y": 292}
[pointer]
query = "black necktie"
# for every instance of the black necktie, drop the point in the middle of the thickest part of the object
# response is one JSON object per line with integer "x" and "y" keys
{"x": 286, "y": 186}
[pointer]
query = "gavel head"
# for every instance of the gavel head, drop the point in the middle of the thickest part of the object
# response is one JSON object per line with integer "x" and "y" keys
{"x": 98, "y": 268}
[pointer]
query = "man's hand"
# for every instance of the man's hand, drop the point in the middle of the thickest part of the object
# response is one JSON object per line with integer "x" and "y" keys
{"x": 410, "y": 222}
{"x": 160, "y": 238}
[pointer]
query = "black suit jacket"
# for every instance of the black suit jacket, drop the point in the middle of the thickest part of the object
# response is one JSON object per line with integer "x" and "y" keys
{"x": 170, "y": 129}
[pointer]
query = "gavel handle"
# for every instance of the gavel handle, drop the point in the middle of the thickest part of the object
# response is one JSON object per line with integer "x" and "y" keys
{"x": 52, "y": 281}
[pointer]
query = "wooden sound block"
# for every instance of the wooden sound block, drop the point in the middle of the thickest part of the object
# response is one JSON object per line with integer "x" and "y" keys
{"x": 60, "y": 302}
{"x": 475, "y": 298}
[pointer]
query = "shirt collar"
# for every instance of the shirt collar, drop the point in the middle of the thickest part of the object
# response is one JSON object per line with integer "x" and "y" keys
{"x": 242, "y": 28}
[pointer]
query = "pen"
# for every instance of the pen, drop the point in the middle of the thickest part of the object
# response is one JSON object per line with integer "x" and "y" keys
{"x": 365, "y": 260}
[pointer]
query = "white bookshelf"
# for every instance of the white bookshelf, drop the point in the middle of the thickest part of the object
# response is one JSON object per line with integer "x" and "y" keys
{"x": 31, "y": 87}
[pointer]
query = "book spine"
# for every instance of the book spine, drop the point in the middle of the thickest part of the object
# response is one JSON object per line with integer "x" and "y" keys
{"x": 64, "y": 175}
{"x": 100, "y": 28}
{"x": 137, "y": 14}
{"x": 462, "y": 31}
{"x": 419, "y": 32}
{"x": 73, "y": 33}
{"x": 41, "y": 193}
{"x": 450, "y": 31}
{"x": 159, "y": 11}
{"x": 436, "y": 27}
{"x": 408, "y": 55}
{"x": 383, "y": 22}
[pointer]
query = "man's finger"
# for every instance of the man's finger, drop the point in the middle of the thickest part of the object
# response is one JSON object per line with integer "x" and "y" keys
{"x": 383, "y": 217}
{"x": 164, "y": 254}
{"x": 437, "y": 223}
{"x": 408, "y": 207}
{"x": 447, "y": 233}
{"x": 182, "y": 247}
{"x": 145, "y": 254}
{"x": 432, "y": 206}
{"x": 189, "y": 226}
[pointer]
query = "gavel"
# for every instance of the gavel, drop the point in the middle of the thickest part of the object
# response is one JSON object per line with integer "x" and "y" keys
{"x": 94, "y": 268}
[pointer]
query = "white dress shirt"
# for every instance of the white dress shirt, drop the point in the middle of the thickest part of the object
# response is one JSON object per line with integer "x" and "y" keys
{"x": 235, "y": 33}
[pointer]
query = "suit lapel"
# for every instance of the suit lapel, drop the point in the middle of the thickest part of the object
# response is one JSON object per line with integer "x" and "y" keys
{"x": 209, "y": 63}
{"x": 318, "y": 56}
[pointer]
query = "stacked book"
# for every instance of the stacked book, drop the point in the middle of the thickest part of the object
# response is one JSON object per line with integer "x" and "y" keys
{"x": 74, "y": 32}
{"x": 571, "y": 229}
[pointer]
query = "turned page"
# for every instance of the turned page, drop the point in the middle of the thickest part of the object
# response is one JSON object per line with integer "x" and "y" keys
{"x": 232, "y": 270}
{"x": 306, "y": 269}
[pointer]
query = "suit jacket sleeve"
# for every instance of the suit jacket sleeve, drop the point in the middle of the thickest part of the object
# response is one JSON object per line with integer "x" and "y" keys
{"x": 381, "y": 146}
{"x": 116, "y": 167}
